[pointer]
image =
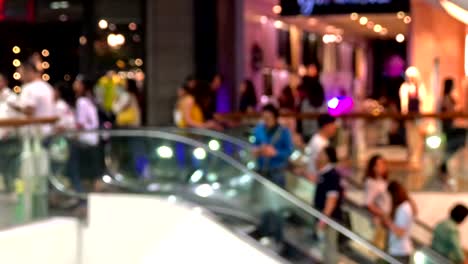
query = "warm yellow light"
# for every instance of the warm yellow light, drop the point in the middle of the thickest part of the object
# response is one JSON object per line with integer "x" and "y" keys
{"x": 263, "y": 19}
{"x": 16, "y": 76}
{"x": 400, "y": 38}
{"x": 16, "y": 63}
{"x": 401, "y": 15}
{"x": 278, "y": 24}
{"x": 103, "y": 24}
{"x": 384, "y": 31}
{"x": 17, "y": 89}
{"x": 16, "y": 50}
{"x": 363, "y": 20}
{"x": 370, "y": 25}
{"x": 139, "y": 62}
{"x": 378, "y": 28}
{"x": 407, "y": 19}
{"x": 83, "y": 40}
{"x": 45, "y": 77}
{"x": 45, "y": 65}
{"x": 120, "y": 64}
{"x": 132, "y": 26}
{"x": 277, "y": 9}
{"x": 45, "y": 53}
{"x": 354, "y": 16}
{"x": 455, "y": 11}
{"x": 115, "y": 40}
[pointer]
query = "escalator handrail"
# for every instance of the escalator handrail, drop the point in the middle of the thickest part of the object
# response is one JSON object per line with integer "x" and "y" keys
{"x": 286, "y": 195}
{"x": 209, "y": 133}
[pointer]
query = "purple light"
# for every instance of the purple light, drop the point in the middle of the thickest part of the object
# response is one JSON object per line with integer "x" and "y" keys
{"x": 340, "y": 105}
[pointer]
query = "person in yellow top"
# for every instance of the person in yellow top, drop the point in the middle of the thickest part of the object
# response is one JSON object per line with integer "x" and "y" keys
{"x": 188, "y": 114}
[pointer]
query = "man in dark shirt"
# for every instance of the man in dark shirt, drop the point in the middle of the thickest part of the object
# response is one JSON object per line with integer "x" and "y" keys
{"x": 328, "y": 199}
{"x": 329, "y": 192}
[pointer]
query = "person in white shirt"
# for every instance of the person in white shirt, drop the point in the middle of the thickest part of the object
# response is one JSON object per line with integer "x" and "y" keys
{"x": 37, "y": 96}
{"x": 377, "y": 199}
{"x": 403, "y": 213}
{"x": 63, "y": 110}
{"x": 414, "y": 100}
{"x": 10, "y": 147}
{"x": 321, "y": 140}
{"x": 85, "y": 149}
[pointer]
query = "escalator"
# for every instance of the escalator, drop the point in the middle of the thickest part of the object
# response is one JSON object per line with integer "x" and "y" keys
{"x": 359, "y": 219}
{"x": 178, "y": 167}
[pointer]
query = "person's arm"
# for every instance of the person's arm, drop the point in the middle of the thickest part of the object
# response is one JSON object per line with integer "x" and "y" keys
{"x": 402, "y": 222}
{"x": 404, "y": 98}
{"x": 187, "y": 114}
{"x": 286, "y": 146}
{"x": 371, "y": 195}
{"x": 330, "y": 205}
{"x": 456, "y": 248}
{"x": 331, "y": 201}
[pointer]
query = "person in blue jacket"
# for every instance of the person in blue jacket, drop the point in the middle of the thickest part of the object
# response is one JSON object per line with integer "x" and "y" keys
{"x": 273, "y": 146}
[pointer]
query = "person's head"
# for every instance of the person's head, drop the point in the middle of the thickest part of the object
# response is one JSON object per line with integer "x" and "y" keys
{"x": 294, "y": 80}
{"x": 377, "y": 168}
{"x": 459, "y": 213}
{"x": 326, "y": 157}
{"x": 270, "y": 115}
{"x": 3, "y": 81}
{"x": 312, "y": 70}
{"x": 216, "y": 82}
{"x": 327, "y": 125}
{"x": 190, "y": 82}
{"x": 399, "y": 195}
{"x": 448, "y": 86}
{"x": 29, "y": 71}
{"x": 247, "y": 89}
{"x": 82, "y": 86}
{"x": 132, "y": 87}
{"x": 62, "y": 90}
{"x": 413, "y": 75}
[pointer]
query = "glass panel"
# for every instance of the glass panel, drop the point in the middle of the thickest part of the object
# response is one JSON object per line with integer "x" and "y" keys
{"x": 168, "y": 165}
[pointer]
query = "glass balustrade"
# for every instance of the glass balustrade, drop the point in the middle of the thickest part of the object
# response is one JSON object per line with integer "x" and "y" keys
{"x": 180, "y": 168}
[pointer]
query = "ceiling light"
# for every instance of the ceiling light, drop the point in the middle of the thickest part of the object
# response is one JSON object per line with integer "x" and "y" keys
{"x": 377, "y": 28}
{"x": 278, "y": 24}
{"x": 363, "y": 20}
{"x": 370, "y": 25}
{"x": 103, "y": 24}
{"x": 16, "y": 50}
{"x": 277, "y": 9}
{"x": 384, "y": 31}
{"x": 354, "y": 16}
{"x": 263, "y": 19}
{"x": 407, "y": 19}
{"x": 400, "y": 38}
{"x": 401, "y": 15}
{"x": 457, "y": 9}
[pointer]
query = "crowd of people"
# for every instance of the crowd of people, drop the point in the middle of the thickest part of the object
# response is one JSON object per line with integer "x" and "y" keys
{"x": 114, "y": 102}
{"x": 86, "y": 105}
{"x": 393, "y": 210}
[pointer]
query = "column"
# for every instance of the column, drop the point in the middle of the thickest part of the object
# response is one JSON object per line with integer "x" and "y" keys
{"x": 169, "y": 56}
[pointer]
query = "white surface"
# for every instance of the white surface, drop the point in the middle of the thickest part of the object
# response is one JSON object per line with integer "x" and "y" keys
{"x": 50, "y": 242}
{"x": 143, "y": 229}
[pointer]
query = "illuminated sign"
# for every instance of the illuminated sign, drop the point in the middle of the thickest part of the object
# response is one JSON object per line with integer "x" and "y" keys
{"x": 330, "y": 7}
